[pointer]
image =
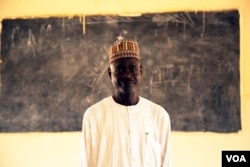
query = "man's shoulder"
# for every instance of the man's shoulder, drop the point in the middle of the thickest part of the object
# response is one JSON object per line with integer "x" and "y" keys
{"x": 97, "y": 109}
{"x": 146, "y": 101}
{"x": 101, "y": 103}
{"x": 155, "y": 107}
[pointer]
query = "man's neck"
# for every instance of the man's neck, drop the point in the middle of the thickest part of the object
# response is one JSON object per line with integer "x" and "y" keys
{"x": 126, "y": 99}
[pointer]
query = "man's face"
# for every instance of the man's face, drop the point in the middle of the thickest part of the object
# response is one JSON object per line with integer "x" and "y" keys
{"x": 125, "y": 75}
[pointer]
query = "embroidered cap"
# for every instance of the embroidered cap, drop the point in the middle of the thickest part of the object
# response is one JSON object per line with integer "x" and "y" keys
{"x": 124, "y": 48}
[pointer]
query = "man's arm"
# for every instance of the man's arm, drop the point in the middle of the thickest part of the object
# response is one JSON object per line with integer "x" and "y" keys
{"x": 166, "y": 141}
{"x": 85, "y": 142}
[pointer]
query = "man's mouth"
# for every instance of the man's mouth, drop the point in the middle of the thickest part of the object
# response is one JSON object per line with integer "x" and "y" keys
{"x": 127, "y": 82}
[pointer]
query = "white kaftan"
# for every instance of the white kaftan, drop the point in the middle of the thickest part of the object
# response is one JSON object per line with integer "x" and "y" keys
{"x": 114, "y": 135}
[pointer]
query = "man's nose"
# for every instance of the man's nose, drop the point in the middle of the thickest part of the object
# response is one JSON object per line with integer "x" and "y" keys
{"x": 127, "y": 73}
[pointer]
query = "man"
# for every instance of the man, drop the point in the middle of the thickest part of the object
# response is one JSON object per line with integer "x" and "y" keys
{"x": 125, "y": 130}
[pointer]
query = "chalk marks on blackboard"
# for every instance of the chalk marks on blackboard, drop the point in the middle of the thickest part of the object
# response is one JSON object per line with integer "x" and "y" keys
{"x": 182, "y": 74}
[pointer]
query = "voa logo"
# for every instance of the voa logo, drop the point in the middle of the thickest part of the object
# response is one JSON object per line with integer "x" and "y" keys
{"x": 236, "y": 158}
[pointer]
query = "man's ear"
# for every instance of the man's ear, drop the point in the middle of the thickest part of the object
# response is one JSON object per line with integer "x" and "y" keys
{"x": 141, "y": 69}
{"x": 109, "y": 72}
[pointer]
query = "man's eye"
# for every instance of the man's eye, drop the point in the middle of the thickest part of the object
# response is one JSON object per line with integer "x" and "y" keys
{"x": 135, "y": 69}
{"x": 119, "y": 70}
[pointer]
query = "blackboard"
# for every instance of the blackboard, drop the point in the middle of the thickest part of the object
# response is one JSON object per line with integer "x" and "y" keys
{"x": 53, "y": 68}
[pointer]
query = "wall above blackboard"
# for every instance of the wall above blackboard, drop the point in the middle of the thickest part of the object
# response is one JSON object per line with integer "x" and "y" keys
{"x": 54, "y": 68}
